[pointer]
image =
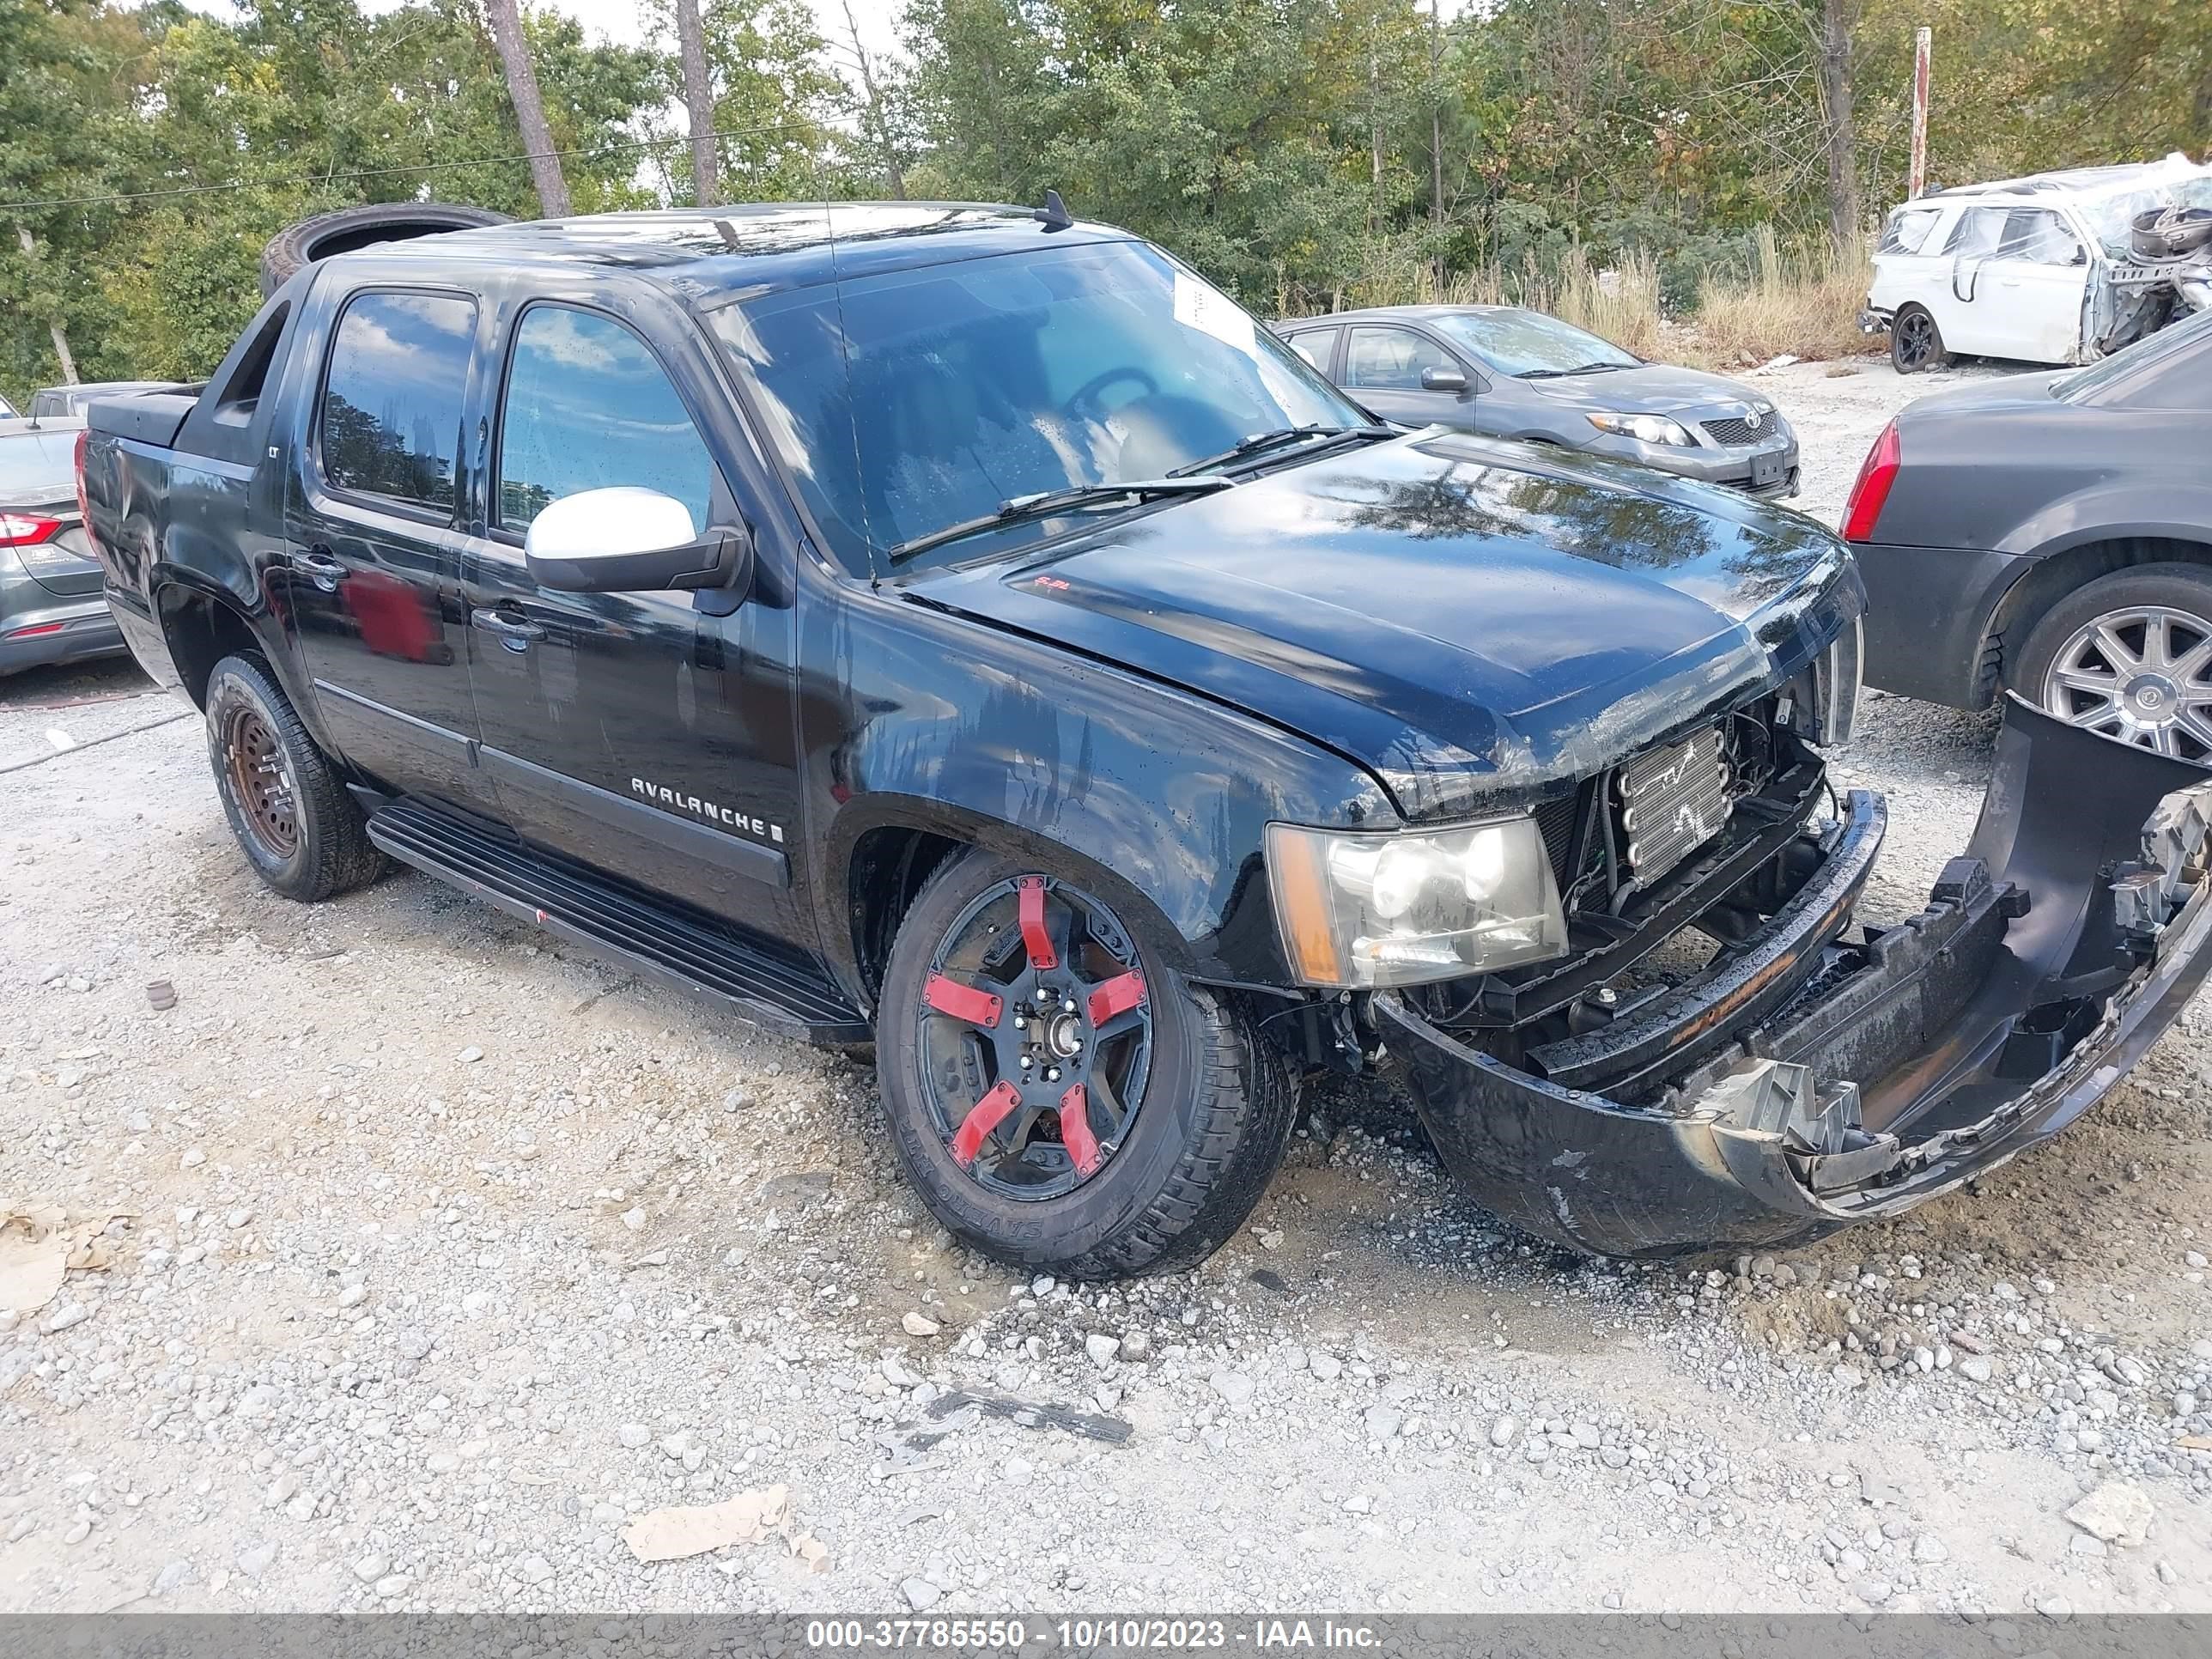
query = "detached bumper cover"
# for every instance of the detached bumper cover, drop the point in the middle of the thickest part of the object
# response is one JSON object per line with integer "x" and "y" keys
{"x": 2068, "y": 937}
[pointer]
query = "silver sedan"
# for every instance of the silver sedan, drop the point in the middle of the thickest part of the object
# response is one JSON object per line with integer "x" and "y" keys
{"x": 1518, "y": 374}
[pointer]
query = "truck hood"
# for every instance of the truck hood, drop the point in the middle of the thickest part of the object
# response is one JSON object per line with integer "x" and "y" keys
{"x": 1476, "y": 622}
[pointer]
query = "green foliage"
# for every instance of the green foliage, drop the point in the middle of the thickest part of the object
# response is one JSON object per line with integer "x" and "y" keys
{"x": 1305, "y": 153}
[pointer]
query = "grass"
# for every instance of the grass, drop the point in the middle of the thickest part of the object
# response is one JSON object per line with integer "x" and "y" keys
{"x": 1802, "y": 300}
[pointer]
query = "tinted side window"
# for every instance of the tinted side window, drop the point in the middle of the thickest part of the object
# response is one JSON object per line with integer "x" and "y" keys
{"x": 1317, "y": 346}
{"x": 1389, "y": 359}
{"x": 588, "y": 407}
{"x": 392, "y": 401}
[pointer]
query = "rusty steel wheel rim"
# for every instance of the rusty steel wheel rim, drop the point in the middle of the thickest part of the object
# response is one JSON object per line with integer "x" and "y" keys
{"x": 261, "y": 781}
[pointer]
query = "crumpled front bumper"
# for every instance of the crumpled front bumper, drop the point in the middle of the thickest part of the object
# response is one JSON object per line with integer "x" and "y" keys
{"x": 2051, "y": 955}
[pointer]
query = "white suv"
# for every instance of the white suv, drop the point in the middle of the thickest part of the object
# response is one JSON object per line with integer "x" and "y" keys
{"x": 2039, "y": 269}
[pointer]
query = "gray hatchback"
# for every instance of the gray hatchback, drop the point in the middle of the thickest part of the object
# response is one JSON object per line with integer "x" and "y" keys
{"x": 1518, "y": 373}
{"x": 51, "y": 608}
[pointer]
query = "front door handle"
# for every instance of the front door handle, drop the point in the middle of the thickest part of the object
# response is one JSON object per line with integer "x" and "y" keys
{"x": 513, "y": 631}
{"x": 318, "y": 563}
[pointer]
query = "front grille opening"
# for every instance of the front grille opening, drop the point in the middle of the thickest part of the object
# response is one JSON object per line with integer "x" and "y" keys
{"x": 1735, "y": 430}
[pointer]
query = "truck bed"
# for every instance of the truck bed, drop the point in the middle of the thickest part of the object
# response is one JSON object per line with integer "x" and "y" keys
{"x": 148, "y": 417}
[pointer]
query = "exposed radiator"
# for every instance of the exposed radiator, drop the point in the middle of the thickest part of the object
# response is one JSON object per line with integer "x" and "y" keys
{"x": 1672, "y": 801}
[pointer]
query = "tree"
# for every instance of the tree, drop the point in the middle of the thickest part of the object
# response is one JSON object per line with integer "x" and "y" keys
{"x": 1838, "y": 20}
{"x": 698, "y": 101}
{"x": 875, "y": 117}
{"x": 505, "y": 19}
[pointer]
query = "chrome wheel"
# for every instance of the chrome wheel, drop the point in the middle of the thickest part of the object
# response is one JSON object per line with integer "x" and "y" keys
{"x": 2142, "y": 675}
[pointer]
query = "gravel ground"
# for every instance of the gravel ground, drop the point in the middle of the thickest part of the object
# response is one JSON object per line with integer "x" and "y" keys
{"x": 439, "y": 1257}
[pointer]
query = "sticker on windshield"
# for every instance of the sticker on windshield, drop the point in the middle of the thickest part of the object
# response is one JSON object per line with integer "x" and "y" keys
{"x": 1197, "y": 305}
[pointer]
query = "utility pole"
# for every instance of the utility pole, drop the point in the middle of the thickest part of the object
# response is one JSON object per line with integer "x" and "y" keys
{"x": 1917, "y": 183}
{"x": 698, "y": 101}
{"x": 506, "y": 19}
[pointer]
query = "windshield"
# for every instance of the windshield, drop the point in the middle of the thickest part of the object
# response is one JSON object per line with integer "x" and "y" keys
{"x": 909, "y": 402}
{"x": 31, "y": 462}
{"x": 1528, "y": 342}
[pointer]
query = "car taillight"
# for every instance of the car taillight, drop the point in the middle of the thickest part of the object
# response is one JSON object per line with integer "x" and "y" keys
{"x": 26, "y": 529}
{"x": 83, "y": 497}
{"x": 1876, "y": 473}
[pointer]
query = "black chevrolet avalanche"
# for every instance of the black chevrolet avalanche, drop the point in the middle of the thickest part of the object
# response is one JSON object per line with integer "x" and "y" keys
{"x": 963, "y": 629}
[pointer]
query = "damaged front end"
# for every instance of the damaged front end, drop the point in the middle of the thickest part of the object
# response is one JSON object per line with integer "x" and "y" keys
{"x": 2128, "y": 302}
{"x": 1805, "y": 1079}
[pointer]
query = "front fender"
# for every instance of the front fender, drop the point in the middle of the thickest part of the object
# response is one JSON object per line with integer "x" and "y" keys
{"x": 1158, "y": 796}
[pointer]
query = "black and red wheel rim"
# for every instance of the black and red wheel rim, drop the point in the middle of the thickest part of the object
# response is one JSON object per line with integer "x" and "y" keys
{"x": 1035, "y": 1038}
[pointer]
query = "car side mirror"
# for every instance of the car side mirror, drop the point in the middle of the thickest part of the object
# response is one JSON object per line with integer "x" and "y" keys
{"x": 627, "y": 540}
{"x": 1444, "y": 380}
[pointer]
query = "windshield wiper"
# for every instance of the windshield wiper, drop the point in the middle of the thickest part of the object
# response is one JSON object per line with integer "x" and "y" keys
{"x": 1045, "y": 504}
{"x": 1254, "y": 443}
{"x": 1559, "y": 373}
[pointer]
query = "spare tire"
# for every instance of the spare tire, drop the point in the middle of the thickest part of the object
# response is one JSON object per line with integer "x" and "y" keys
{"x": 362, "y": 226}
{"x": 2169, "y": 232}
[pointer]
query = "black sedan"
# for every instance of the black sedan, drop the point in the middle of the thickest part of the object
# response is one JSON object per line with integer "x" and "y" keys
{"x": 2052, "y": 534}
{"x": 52, "y": 609}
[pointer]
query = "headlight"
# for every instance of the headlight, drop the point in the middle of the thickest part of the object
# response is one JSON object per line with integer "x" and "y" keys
{"x": 1361, "y": 910}
{"x": 1644, "y": 429}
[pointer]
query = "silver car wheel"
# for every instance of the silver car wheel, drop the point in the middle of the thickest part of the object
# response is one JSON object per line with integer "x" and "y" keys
{"x": 2142, "y": 675}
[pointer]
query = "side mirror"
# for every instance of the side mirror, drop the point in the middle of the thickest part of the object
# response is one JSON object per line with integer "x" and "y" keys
{"x": 627, "y": 540}
{"x": 1444, "y": 380}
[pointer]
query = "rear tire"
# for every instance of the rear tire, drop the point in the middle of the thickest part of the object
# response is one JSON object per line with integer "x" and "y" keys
{"x": 1915, "y": 342}
{"x": 1213, "y": 1109}
{"x": 300, "y": 830}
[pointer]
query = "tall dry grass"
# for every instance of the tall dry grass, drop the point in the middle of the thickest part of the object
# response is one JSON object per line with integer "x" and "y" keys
{"x": 1802, "y": 300}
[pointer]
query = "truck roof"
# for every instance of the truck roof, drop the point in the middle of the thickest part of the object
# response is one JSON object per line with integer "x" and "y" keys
{"x": 759, "y": 247}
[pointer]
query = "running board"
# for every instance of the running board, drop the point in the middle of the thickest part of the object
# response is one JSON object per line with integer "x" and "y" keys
{"x": 658, "y": 941}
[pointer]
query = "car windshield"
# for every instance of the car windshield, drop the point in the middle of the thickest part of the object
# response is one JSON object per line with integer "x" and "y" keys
{"x": 1528, "y": 344}
{"x": 35, "y": 462}
{"x": 908, "y": 402}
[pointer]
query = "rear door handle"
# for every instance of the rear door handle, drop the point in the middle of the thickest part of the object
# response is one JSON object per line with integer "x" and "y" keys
{"x": 512, "y": 631}
{"x": 317, "y": 563}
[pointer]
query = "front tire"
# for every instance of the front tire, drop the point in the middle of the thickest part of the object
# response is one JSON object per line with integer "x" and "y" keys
{"x": 301, "y": 830}
{"x": 2129, "y": 656}
{"x": 1185, "y": 1109}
